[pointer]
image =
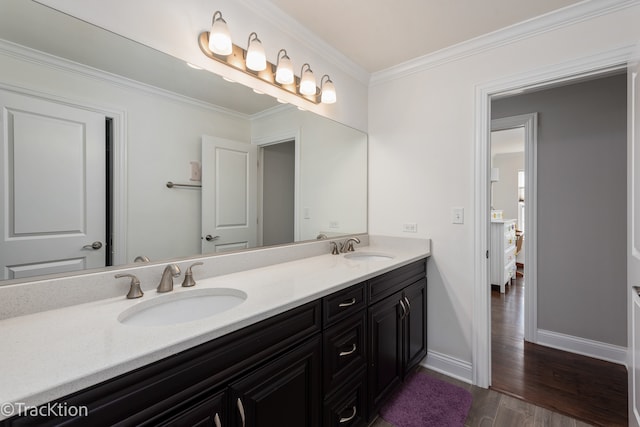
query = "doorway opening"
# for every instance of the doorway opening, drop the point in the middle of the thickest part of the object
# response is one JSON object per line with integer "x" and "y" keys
{"x": 277, "y": 172}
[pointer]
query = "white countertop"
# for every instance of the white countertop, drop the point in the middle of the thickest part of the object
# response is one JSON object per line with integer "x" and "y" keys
{"x": 53, "y": 353}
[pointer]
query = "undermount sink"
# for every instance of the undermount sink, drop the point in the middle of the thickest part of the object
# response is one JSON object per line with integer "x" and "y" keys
{"x": 181, "y": 307}
{"x": 368, "y": 256}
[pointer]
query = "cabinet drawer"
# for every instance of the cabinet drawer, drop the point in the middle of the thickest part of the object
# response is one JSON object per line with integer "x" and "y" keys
{"x": 346, "y": 408}
{"x": 391, "y": 282}
{"x": 342, "y": 304}
{"x": 344, "y": 350}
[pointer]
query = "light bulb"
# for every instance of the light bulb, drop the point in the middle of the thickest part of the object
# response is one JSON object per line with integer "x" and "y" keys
{"x": 307, "y": 81}
{"x": 328, "y": 91}
{"x": 256, "y": 58}
{"x": 219, "y": 37}
{"x": 284, "y": 69}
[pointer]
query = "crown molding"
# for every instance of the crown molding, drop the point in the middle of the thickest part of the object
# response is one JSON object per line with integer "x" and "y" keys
{"x": 288, "y": 25}
{"x": 27, "y": 54}
{"x": 585, "y": 10}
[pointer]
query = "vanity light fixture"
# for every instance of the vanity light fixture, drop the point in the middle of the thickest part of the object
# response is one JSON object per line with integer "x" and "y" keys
{"x": 256, "y": 58}
{"x": 284, "y": 69}
{"x": 327, "y": 90}
{"x": 217, "y": 45}
{"x": 219, "y": 37}
{"x": 307, "y": 80}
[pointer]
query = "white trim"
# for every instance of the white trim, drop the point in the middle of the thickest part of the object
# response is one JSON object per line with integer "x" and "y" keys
{"x": 286, "y": 135}
{"x": 530, "y": 124}
{"x": 544, "y": 23}
{"x": 291, "y": 27}
{"x": 594, "y": 64}
{"x": 448, "y": 365}
{"x": 119, "y": 166}
{"x": 596, "y": 349}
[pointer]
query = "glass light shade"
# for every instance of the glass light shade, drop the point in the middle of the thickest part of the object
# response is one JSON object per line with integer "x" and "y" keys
{"x": 220, "y": 38}
{"x": 308, "y": 83}
{"x": 284, "y": 72}
{"x": 256, "y": 58}
{"x": 328, "y": 93}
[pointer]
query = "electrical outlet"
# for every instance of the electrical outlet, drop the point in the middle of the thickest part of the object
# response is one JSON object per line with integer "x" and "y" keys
{"x": 196, "y": 171}
{"x": 306, "y": 213}
{"x": 457, "y": 215}
{"x": 334, "y": 224}
{"x": 410, "y": 227}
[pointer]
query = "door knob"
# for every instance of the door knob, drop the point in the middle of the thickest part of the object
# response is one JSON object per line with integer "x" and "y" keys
{"x": 95, "y": 246}
{"x": 211, "y": 238}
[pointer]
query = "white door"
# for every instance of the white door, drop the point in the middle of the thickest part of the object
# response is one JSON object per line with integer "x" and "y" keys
{"x": 633, "y": 239}
{"x": 52, "y": 187}
{"x": 229, "y": 195}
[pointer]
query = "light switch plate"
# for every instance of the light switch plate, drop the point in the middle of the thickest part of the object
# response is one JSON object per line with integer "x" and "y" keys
{"x": 457, "y": 215}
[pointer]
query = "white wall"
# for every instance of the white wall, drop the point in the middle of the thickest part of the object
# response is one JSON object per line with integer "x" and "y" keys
{"x": 505, "y": 190}
{"x": 421, "y": 133}
{"x": 173, "y": 27}
{"x": 163, "y": 136}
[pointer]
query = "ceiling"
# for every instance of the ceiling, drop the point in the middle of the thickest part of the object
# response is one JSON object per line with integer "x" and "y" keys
{"x": 378, "y": 34}
{"x": 507, "y": 141}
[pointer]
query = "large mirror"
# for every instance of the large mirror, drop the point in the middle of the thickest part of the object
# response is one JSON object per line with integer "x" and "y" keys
{"x": 241, "y": 162}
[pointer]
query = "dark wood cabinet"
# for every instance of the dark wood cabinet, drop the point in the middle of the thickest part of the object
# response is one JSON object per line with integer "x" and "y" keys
{"x": 397, "y": 330}
{"x": 331, "y": 362}
{"x": 283, "y": 393}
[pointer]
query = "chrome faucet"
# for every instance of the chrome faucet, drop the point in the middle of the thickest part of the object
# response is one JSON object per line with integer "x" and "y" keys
{"x": 166, "y": 283}
{"x": 334, "y": 248}
{"x": 347, "y": 245}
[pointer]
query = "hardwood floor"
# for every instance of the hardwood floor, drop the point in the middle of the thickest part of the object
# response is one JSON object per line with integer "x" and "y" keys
{"x": 581, "y": 387}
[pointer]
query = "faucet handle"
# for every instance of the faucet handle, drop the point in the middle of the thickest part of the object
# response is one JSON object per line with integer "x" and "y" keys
{"x": 134, "y": 288}
{"x": 188, "y": 276}
{"x": 334, "y": 248}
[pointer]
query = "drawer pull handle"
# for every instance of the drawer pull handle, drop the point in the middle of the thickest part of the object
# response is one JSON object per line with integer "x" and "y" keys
{"x": 241, "y": 410}
{"x": 348, "y": 303}
{"x": 346, "y": 353}
{"x": 408, "y": 304}
{"x": 216, "y": 420}
{"x": 404, "y": 310}
{"x": 347, "y": 419}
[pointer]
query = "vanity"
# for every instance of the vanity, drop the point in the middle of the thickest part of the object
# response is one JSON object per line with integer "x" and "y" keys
{"x": 319, "y": 341}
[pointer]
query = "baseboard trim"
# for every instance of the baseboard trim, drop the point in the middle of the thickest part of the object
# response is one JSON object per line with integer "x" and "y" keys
{"x": 448, "y": 365}
{"x": 586, "y": 347}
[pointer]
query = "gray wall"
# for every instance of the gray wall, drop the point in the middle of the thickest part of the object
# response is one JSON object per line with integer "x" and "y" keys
{"x": 581, "y": 207}
{"x": 278, "y": 164}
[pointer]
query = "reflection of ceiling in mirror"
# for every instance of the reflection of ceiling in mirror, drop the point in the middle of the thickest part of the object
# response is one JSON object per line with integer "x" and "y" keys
{"x": 67, "y": 37}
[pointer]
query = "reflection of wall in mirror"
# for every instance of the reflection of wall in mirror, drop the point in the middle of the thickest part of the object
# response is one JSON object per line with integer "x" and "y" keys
{"x": 333, "y": 178}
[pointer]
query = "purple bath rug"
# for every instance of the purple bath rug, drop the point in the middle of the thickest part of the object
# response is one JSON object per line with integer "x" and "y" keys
{"x": 426, "y": 401}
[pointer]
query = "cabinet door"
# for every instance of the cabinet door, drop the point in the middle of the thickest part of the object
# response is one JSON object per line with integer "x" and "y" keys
{"x": 415, "y": 323}
{"x": 385, "y": 351}
{"x": 285, "y": 392}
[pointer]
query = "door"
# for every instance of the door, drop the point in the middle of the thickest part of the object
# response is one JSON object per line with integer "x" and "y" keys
{"x": 633, "y": 240}
{"x": 283, "y": 393}
{"x": 229, "y": 195}
{"x": 52, "y": 187}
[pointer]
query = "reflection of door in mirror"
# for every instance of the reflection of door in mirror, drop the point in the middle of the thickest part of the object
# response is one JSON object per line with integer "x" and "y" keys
{"x": 229, "y": 195}
{"x": 53, "y": 189}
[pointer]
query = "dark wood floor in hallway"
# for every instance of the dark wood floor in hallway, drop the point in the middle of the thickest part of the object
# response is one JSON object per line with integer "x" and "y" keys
{"x": 581, "y": 387}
